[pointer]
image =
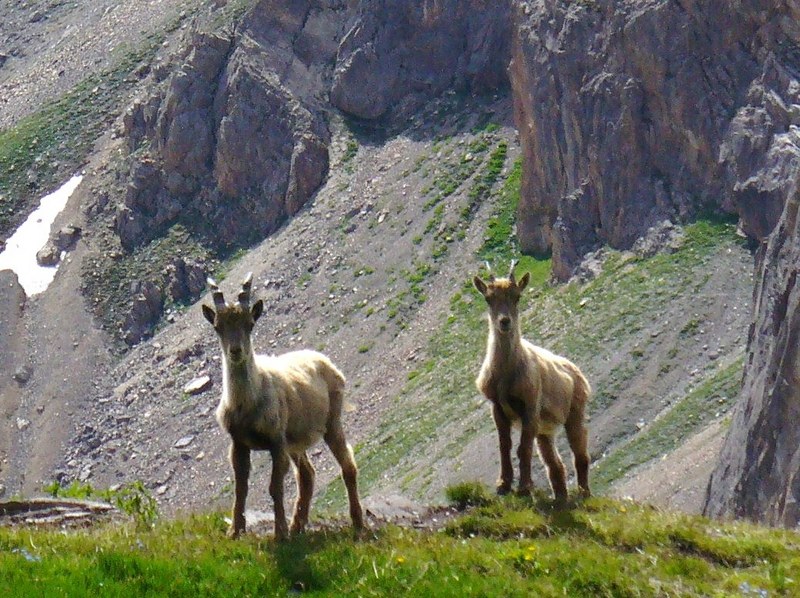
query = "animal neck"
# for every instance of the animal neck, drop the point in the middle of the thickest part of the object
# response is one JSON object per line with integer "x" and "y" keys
{"x": 238, "y": 379}
{"x": 504, "y": 349}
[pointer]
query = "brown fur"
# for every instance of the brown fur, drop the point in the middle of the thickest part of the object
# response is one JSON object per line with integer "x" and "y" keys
{"x": 531, "y": 387}
{"x": 283, "y": 404}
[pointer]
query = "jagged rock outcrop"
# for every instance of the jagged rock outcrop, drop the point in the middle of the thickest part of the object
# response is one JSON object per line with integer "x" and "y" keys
{"x": 233, "y": 141}
{"x": 634, "y": 113}
{"x": 400, "y": 54}
{"x": 229, "y": 141}
{"x": 758, "y": 473}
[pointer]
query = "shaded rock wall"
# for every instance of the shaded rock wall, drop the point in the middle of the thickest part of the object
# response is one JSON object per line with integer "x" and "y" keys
{"x": 397, "y": 55}
{"x": 758, "y": 474}
{"x": 235, "y": 138}
{"x": 633, "y": 113}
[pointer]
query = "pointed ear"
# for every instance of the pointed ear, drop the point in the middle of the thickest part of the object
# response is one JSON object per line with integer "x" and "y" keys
{"x": 257, "y": 309}
{"x": 480, "y": 285}
{"x": 523, "y": 282}
{"x": 209, "y": 313}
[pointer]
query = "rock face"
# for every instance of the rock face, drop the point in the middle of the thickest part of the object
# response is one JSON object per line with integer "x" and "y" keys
{"x": 400, "y": 54}
{"x": 635, "y": 113}
{"x": 758, "y": 474}
{"x": 233, "y": 141}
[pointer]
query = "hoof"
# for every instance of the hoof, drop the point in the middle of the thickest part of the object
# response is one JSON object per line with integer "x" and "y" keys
{"x": 525, "y": 491}
{"x": 281, "y": 533}
{"x": 503, "y": 488}
{"x": 361, "y": 532}
{"x": 234, "y": 532}
{"x": 297, "y": 528}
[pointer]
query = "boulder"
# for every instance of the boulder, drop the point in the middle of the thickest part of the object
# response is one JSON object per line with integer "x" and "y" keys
{"x": 145, "y": 311}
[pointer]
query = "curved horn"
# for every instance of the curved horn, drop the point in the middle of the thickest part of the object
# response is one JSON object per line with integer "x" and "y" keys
{"x": 511, "y": 271}
{"x": 244, "y": 294}
{"x": 216, "y": 294}
{"x": 489, "y": 270}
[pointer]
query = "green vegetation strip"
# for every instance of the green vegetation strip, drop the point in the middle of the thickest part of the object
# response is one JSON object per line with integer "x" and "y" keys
{"x": 509, "y": 547}
{"x": 445, "y": 381}
{"x": 713, "y": 396}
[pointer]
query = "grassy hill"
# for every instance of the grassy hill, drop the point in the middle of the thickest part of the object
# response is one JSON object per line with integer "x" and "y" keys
{"x": 503, "y": 547}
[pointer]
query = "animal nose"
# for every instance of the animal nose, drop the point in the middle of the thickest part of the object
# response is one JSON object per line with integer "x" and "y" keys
{"x": 236, "y": 352}
{"x": 505, "y": 322}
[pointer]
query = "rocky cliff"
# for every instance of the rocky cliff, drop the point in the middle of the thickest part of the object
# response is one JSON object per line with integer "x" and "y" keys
{"x": 232, "y": 141}
{"x": 633, "y": 113}
{"x": 758, "y": 474}
{"x": 397, "y": 55}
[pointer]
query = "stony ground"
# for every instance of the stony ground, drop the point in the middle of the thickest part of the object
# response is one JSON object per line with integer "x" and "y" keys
{"x": 330, "y": 278}
{"x": 50, "y": 46}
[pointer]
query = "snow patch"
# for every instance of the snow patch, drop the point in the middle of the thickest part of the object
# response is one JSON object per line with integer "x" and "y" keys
{"x": 21, "y": 247}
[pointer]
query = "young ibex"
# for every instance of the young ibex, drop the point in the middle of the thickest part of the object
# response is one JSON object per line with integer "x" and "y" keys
{"x": 530, "y": 386}
{"x": 283, "y": 404}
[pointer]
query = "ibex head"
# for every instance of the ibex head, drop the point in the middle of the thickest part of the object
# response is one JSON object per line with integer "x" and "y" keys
{"x": 234, "y": 322}
{"x": 502, "y": 295}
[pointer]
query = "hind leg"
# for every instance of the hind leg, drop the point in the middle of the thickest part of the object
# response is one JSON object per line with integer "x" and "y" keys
{"x": 555, "y": 467}
{"x": 578, "y": 442}
{"x": 304, "y": 472}
{"x": 335, "y": 439}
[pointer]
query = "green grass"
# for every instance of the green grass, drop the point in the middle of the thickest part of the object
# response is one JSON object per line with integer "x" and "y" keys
{"x": 508, "y": 547}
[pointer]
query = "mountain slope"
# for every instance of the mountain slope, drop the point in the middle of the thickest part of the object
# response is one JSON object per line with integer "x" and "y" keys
{"x": 375, "y": 271}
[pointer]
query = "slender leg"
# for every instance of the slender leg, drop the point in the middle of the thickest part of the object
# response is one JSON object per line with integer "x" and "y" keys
{"x": 280, "y": 465}
{"x": 305, "y": 490}
{"x": 335, "y": 439}
{"x": 577, "y": 437}
{"x": 240, "y": 459}
{"x": 504, "y": 437}
{"x": 555, "y": 467}
{"x": 525, "y": 455}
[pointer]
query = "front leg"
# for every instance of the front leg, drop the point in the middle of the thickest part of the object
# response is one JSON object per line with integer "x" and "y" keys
{"x": 240, "y": 459}
{"x": 525, "y": 454}
{"x": 504, "y": 436}
{"x": 280, "y": 465}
